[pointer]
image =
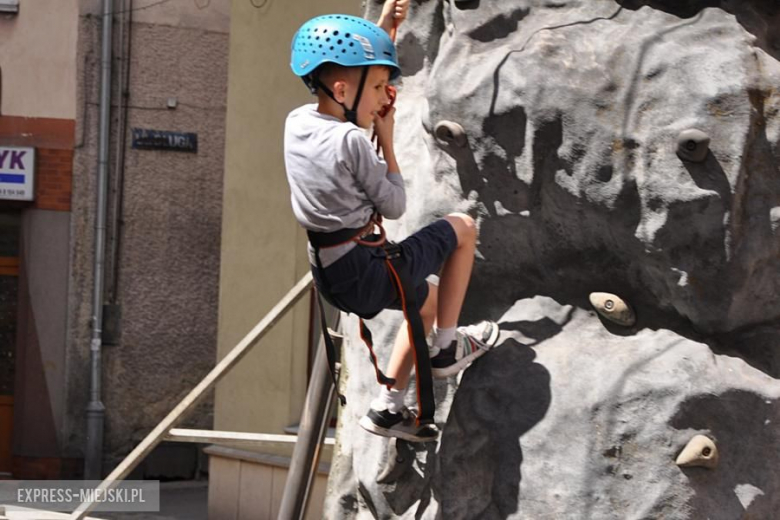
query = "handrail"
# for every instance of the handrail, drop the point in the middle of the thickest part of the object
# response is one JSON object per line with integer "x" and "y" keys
{"x": 158, "y": 434}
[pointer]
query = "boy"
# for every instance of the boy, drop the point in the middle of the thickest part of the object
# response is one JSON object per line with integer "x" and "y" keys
{"x": 338, "y": 183}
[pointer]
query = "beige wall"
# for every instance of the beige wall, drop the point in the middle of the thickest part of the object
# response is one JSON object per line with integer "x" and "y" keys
{"x": 38, "y": 59}
{"x": 263, "y": 248}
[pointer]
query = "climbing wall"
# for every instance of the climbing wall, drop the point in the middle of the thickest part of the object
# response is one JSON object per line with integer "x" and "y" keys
{"x": 622, "y": 147}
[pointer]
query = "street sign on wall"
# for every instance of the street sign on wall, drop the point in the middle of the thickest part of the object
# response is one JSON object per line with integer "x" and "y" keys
{"x": 144, "y": 139}
{"x": 17, "y": 173}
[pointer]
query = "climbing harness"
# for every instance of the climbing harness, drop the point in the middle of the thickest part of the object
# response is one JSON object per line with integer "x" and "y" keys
{"x": 398, "y": 270}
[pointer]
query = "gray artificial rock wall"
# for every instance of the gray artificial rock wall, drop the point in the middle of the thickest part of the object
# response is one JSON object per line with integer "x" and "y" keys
{"x": 565, "y": 128}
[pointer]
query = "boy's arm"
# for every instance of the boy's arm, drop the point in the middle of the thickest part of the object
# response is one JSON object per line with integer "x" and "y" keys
{"x": 393, "y": 13}
{"x": 379, "y": 180}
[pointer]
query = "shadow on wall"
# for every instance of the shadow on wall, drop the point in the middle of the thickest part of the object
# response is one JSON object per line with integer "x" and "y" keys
{"x": 504, "y": 396}
{"x": 759, "y": 25}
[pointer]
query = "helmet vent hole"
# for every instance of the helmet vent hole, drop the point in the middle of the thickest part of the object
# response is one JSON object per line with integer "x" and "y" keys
{"x": 335, "y": 33}
{"x": 340, "y": 42}
{"x": 316, "y": 37}
{"x": 327, "y": 39}
{"x": 331, "y": 47}
{"x": 324, "y": 30}
{"x": 346, "y": 35}
{"x": 351, "y": 44}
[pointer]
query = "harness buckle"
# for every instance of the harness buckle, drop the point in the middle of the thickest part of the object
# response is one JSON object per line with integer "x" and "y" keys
{"x": 392, "y": 250}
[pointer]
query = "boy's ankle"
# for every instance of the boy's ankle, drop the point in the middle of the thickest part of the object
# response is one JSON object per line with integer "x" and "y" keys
{"x": 443, "y": 338}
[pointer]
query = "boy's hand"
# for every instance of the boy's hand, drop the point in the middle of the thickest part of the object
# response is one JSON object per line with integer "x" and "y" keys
{"x": 383, "y": 126}
{"x": 393, "y": 13}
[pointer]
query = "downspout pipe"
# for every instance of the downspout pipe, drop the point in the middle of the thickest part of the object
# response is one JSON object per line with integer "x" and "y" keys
{"x": 93, "y": 456}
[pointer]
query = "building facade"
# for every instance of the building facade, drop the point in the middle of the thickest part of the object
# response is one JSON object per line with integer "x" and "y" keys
{"x": 165, "y": 171}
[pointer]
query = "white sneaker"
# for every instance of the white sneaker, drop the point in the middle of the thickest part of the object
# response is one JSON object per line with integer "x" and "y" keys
{"x": 470, "y": 343}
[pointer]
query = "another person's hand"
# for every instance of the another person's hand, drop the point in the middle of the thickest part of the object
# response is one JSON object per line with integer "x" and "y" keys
{"x": 383, "y": 126}
{"x": 393, "y": 13}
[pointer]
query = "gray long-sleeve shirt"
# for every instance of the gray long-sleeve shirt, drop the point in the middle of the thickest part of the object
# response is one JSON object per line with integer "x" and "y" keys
{"x": 336, "y": 178}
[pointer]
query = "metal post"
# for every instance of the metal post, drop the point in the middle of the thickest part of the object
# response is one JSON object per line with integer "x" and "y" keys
{"x": 93, "y": 456}
{"x": 314, "y": 425}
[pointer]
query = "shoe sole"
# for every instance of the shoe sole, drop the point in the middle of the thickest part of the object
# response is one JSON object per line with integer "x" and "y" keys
{"x": 462, "y": 363}
{"x": 370, "y": 427}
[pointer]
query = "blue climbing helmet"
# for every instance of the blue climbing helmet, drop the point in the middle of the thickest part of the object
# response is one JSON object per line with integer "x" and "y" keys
{"x": 346, "y": 40}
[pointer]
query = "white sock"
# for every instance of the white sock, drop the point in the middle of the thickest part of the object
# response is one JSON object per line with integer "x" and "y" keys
{"x": 391, "y": 400}
{"x": 443, "y": 337}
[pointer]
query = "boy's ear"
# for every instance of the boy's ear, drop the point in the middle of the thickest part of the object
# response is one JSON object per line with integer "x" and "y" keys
{"x": 340, "y": 91}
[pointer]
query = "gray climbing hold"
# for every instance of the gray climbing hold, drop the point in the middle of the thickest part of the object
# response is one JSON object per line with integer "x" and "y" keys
{"x": 450, "y": 133}
{"x": 700, "y": 451}
{"x": 400, "y": 457}
{"x": 693, "y": 145}
{"x": 613, "y": 308}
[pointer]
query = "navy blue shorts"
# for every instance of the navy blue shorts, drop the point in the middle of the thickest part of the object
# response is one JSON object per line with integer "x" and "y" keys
{"x": 360, "y": 283}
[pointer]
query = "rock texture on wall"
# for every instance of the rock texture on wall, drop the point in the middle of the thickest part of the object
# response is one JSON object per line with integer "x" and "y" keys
{"x": 627, "y": 147}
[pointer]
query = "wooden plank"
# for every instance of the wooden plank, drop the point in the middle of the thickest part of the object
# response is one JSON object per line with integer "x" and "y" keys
{"x": 254, "y": 494}
{"x": 224, "y": 488}
{"x": 191, "y": 400}
{"x": 216, "y": 437}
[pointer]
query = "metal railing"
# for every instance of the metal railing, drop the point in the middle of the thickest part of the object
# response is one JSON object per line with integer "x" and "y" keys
{"x": 314, "y": 419}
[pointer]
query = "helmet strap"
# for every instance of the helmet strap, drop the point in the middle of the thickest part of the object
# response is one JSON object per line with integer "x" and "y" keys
{"x": 351, "y": 115}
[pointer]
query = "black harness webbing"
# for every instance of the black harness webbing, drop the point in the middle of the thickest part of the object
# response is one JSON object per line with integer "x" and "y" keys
{"x": 399, "y": 273}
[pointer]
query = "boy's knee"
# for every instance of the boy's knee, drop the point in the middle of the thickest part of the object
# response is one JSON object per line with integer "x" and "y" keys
{"x": 465, "y": 227}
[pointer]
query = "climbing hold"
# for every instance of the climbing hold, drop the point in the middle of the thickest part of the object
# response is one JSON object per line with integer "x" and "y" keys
{"x": 450, "y": 133}
{"x": 400, "y": 457}
{"x": 693, "y": 145}
{"x": 613, "y": 308}
{"x": 700, "y": 451}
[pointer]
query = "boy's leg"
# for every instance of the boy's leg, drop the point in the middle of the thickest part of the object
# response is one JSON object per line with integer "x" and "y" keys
{"x": 442, "y": 306}
{"x": 456, "y": 273}
{"x": 443, "y": 303}
{"x": 387, "y": 415}
{"x": 455, "y": 348}
{"x": 402, "y": 357}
